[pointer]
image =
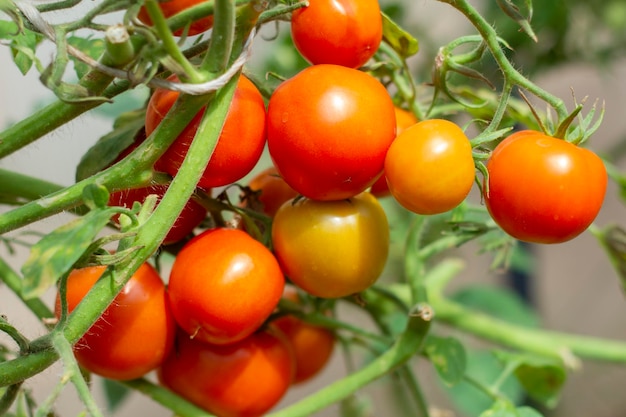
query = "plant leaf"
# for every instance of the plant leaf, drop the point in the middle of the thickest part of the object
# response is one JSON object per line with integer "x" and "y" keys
{"x": 399, "y": 39}
{"x": 448, "y": 356}
{"x": 114, "y": 393}
{"x": 92, "y": 47}
{"x": 57, "y": 252}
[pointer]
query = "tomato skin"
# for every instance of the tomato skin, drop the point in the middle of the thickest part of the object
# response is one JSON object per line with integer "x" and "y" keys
{"x": 133, "y": 335}
{"x": 240, "y": 144}
{"x": 244, "y": 379}
{"x": 223, "y": 285}
{"x": 329, "y": 128}
{"x": 190, "y": 217}
{"x": 543, "y": 189}
{"x": 341, "y": 32}
{"x": 429, "y": 167}
{"x": 172, "y": 7}
{"x": 273, "y": 190}
{"x": 404, "y": 119}
{"x": 332, "y": 249}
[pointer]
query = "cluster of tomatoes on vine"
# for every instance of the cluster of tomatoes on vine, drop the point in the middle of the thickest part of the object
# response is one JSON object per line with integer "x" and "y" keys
{"x": 216, "y": 334}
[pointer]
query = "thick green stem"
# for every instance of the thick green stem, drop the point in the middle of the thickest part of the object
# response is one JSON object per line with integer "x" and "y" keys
{"x": 222, "y": 37}
{"x": 405, "y": 347}
{"x": 491, "y": 39}
{"x": 25, "y": 187}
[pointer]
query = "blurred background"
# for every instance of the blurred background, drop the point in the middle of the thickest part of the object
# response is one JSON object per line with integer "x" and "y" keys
{"x": 572, "y": 286}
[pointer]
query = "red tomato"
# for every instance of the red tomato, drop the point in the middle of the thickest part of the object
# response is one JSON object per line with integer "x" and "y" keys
{"x": 223, "y": 286}
{"x": 312, "y": 345}
{"x": 133, "y": 335}
{"x": 240, "y": 144}
{"x": 190, "y": 218}
{"x": 172, "y": 7}
{"x": 332, "y": 248}
{"x": 543, "y": 189}
{"x": 273, "y": 190}
{"x": 341, "y": 32}
{"x": 429, "y": 167}
{"x": 244, "y": 379}
{"x": 329, "y": 128}
{"x": 404, "y": 119}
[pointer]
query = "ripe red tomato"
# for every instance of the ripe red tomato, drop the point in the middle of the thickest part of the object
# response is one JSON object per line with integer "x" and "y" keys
{"x": 273, "y": 190}
{"x": 172, "y": 7}
{"x": 329, "y": 128}
{"x": 240, "y": 144}
{"x": 192, "y": 215}
{"x": 244, "y": 379}
{"x": 332, "y": 248}
{"x": 312, "y": 345}
{"x": 429, "y": 167}
{"x": 133, "y": 335}
{"x": 543, "y": 189}
{"x": 341, "y": 32}
{"x": 223, "y": 285}
{"x": 404, "y": 119}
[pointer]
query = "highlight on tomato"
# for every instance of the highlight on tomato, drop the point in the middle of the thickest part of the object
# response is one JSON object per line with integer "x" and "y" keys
{"x": 329, "y": 128}
{"x": 190, "y": 217}
{"x": 542, "y": 189}
{"x": 173, "y": 7}
{"x": 332, "y": 249}
{"x": 223, "y": 285}
{"x": 404, "y": 119}
{"x": 430, "y": 167}
{"x": 240, "y": 144}
{"x": 341, "y": 32}
{"x": 244, "y": 379}
{"x": 134, "y": 334}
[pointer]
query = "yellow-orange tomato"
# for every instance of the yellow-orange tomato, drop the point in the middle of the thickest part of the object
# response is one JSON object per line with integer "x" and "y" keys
{"x": 429, "y": 167}
{"x": 404, "y": 119}
{"x": 133, "y": 335}
{"x": 332, "y": 248}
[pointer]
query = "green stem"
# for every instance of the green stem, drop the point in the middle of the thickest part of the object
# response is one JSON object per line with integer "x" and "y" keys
{"x": 415, "y": 391}
{"x": 491, "y": 39}
{"x": 178, "y": 405}
{"x": 25, "y": 187}
{"x": 222, "y": 37}
{"x": 8, "y": 398}
{"x": 14, "y": 282}
{"x": 413, "y": 262}
{"x": 405, "y": 347}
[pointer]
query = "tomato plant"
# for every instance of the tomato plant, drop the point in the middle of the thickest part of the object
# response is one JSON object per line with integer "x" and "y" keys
{"x": 272, "y": 190}
{"x": 171, "y": 8}
{"x": 543, "y": 189}
{"x": 212, "y": 267}
{"x": 430, "y": 167}
{"x": 343, "y": 32}
{"x": 329, "y": 128}
{"x": 332, "y": 248}
{"x": 240, "y": 144}
{"x": 244, "y": 379}
{"x": 133, "y": 335}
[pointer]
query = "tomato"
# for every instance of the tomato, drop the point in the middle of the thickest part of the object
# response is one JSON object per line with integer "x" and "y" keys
{"x": 223, "y": 285}
{"x": 404, "y": 119}
{"x": 240, "y": 144}
{"x": 332, "y": 248}
{"x": 329, "y": 128}
{"x": 190, "y": 217}
{"x": 429, "y": 167}
{"x": 273, "y": 190}
{"x": 341, "y": 32}
{"x": 312, "y": 345}
{"x": 133, "y": 335}
{"x": 543, "y": 189}
{"x": 172, "y": 7}
{"x": 244, "y": 379}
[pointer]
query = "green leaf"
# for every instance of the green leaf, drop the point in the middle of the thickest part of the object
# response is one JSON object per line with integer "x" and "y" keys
{"x": 8, "y": 29}
{"x": 542, "y": 378}
{"x": 114, "y": 393}
{"x": 57, "y": 252}
{"x": 501, "y": 408}
{"x": 23, "y": 45}
{"x": 399, "y": 39}
{"x": 448, "y": 356}
{"x": 528, "y": 412}
{"x": 498, "y": 302}
{"x": 109, "y": 146}
{"x": 92, "y": 47}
